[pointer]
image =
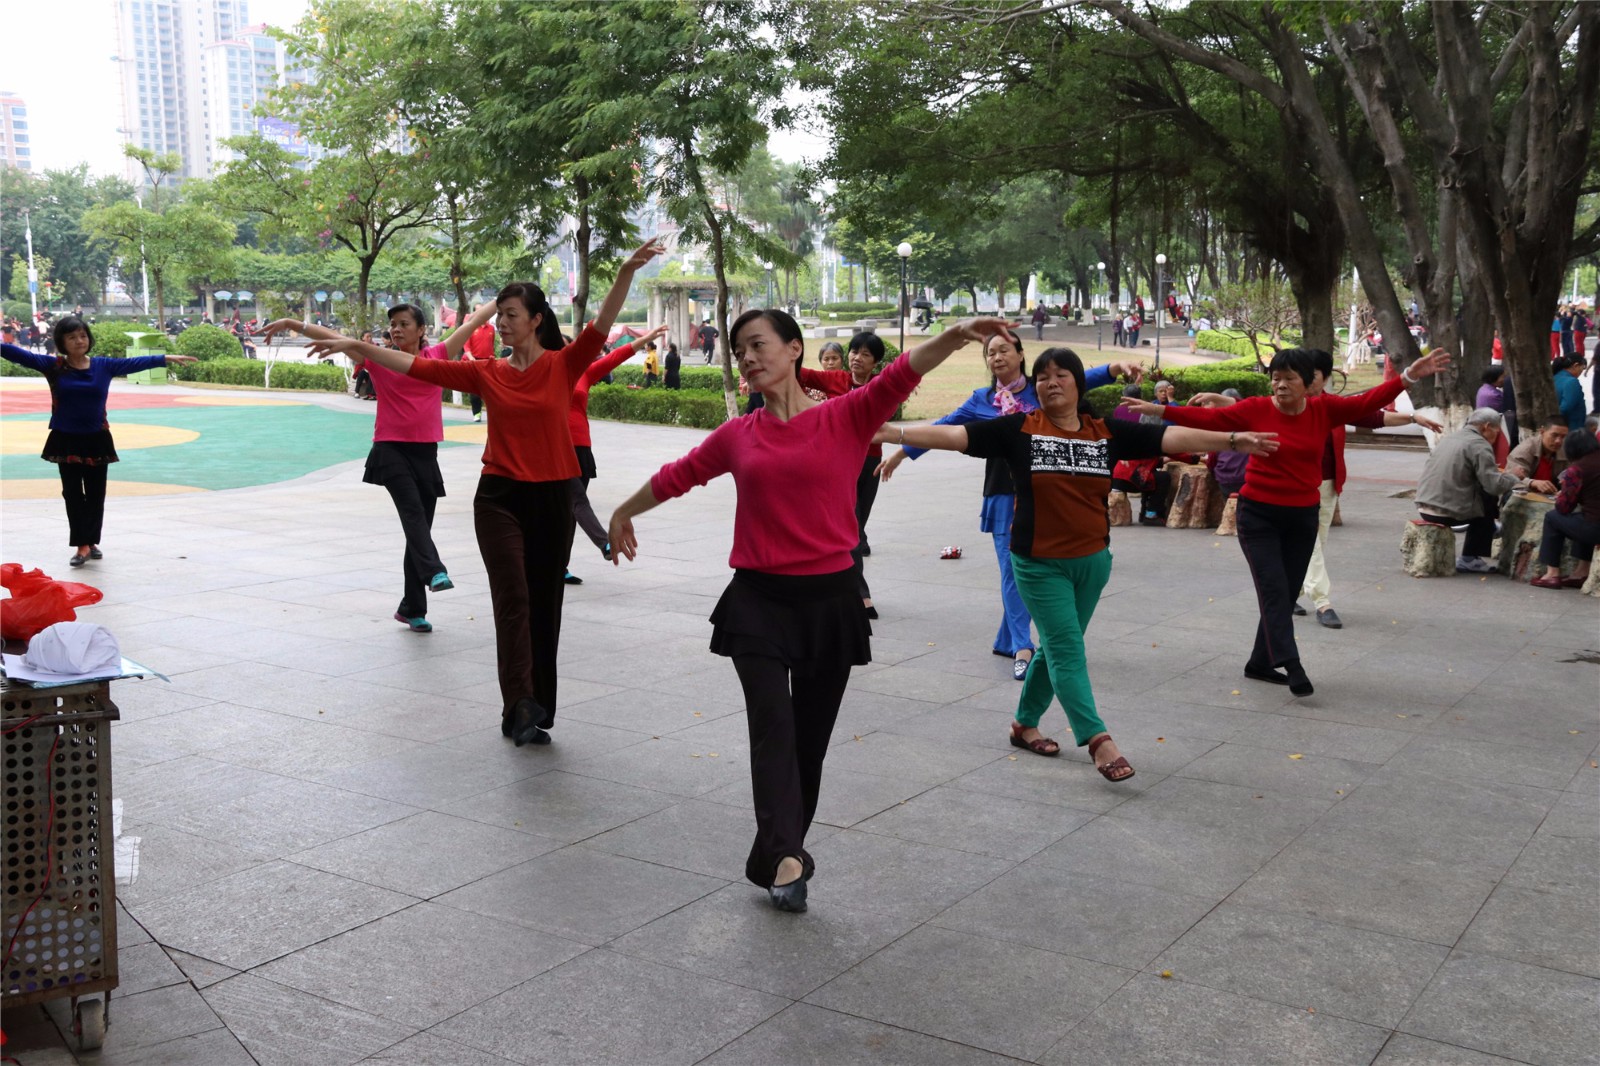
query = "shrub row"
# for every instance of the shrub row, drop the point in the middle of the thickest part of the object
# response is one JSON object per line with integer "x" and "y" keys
{"x": 856, "y": 307}
{"x": 208, "y": 342}
{"x": 1186, "y": 381}
{"x": 318, "y": 378}
{"x": 1236, "y": 343}
{"x": 699, "y": 378}
{"x": 696, "y": 408}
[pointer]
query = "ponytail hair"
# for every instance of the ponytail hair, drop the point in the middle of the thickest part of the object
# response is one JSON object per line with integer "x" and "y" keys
{"x": 532, "y": 297}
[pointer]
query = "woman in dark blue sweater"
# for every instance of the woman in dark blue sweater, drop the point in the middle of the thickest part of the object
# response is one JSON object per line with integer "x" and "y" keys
{"x": 80, "y": 441}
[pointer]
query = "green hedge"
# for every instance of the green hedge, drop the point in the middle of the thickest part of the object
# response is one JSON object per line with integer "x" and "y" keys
{"x": 250, "y": 372}
{"x": 111, "y": 338}
{"x": 1238, "y": 374}
{"x": 1234, "y": 342}
{"x": 695, "y": 408}
{"x": 698, "y": 378}
{"x": 208, "y": 342}
{"x": 856, "y": 307}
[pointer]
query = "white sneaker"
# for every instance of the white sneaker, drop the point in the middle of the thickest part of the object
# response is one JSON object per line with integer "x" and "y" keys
{"x": 1474, "y": 564}
{"x": 477, "y": 418}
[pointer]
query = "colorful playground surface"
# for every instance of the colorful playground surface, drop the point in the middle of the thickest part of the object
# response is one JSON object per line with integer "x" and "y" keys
{"x": 173, "y": 439}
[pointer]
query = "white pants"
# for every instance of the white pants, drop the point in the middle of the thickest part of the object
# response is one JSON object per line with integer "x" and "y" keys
{"x": 1317, "y": 585}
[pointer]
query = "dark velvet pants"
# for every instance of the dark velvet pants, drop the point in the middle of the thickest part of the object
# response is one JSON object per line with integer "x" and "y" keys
{"x": 525, "y": 535}
{"x": 866, "y": 495}
{"x": 1277, "y": 543}
{"x": 83, "y": 487}
{"x": 791, "y": 716}
{"x": 415, "y": 506}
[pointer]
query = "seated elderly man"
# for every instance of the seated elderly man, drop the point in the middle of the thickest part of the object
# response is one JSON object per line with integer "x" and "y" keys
{"x": 1460, "y": 485}
{"x": 1541, "y": 456}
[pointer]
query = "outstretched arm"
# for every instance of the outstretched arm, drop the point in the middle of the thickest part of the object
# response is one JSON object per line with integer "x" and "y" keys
{"x": 935, "y": 350}
{"x": 392, "y": 358}
{"x": 1183, "y": 439}
{"x": 942, "y": 438}
{"x": 618, "y": 295}
{"x": 282, "y": 325}
{"x": 458, "y": 340}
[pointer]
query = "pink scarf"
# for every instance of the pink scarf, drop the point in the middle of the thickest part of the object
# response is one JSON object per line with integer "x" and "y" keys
{"x": 1005, "y": 398}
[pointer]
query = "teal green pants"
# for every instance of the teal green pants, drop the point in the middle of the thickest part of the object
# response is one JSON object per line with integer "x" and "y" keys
{"x": 1061, "y": 594}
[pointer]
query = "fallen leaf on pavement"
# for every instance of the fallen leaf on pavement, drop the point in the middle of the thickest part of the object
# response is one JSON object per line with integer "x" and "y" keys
{"x": 1165, "y": 974}
{"x": 1297, "y": 756}
{"x": 1235, "y": 692}
{"x": 1013, "y": 758}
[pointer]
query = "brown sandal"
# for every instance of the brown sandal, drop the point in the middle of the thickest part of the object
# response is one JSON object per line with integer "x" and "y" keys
{"x": 1038, "y": 745}
{"x": 1110, "y": 771}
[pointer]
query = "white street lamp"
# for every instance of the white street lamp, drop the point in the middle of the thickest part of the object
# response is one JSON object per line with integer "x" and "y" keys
{"x": 1161, "y": 277}
{"x": 903, "y": 250}
{"x": 1099, "y": 321}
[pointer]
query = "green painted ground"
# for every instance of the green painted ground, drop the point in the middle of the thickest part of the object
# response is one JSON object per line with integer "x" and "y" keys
{"x": 237, "y": 446}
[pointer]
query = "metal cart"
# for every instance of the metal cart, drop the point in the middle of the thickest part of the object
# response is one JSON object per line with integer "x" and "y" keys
{"x": 58, "y": 916}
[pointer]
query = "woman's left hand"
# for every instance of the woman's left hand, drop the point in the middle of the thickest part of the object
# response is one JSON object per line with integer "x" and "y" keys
{"x": 1426, "y": 423}
{"x": 1141, "y": 407}
{"x": 981, "y": 329}
{"x": 1429, "y": 364}
{"x": 323, "y": 347}
{"x": 644, "y": 253}
{"x": 624, "y": 544}
{"x": 1252, "y": 443}
{"x": 652, "y": 335}
{"x": 180, "y": 359}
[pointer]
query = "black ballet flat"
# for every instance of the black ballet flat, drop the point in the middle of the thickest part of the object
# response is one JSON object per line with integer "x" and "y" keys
{"x": 526, "y": 718}
{"x": 1270, "y": 676}
{"x": 872, "y": 612}
{"x": 1299, "y": 683}
{"x": 790, "y": 897}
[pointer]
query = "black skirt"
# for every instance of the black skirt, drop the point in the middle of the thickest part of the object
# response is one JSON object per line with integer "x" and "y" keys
{"x": 798, "y": 619}
{"x": 402, "y": 460}
{"x": 90, "y": 449}
{"x": 586, "y": 467}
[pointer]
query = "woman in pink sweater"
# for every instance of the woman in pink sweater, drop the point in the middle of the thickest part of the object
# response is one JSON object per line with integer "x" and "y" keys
{"x": 791, "y": 619}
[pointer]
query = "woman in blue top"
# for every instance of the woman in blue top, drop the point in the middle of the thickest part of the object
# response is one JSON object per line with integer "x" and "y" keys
{"x": 1009, "y": 392}
{"x": 80, "y": 441}
{"x": 1569, "y": 393}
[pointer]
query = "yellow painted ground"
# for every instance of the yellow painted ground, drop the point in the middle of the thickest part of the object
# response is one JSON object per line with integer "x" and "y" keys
{"x": 22, "y": 438}
{"x": 471, "y": 433}
{"x": 42, "y": 489}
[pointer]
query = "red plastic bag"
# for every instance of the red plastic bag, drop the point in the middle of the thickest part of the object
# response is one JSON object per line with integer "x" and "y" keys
{"x": 38, "y": 601}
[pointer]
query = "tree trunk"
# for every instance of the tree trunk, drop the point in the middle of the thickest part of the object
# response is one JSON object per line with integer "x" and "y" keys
{"x": 456, "y": 269}
{"x": 580, "y": 245}
{"x": 730, "y": 387}
{"x": 973, "y": 291}
{"x": 364, "y": 314}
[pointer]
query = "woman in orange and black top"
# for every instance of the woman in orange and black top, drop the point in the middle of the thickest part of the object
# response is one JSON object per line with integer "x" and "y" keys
{"x": 523, "y": 508}
{"x": 1061, "y": 457}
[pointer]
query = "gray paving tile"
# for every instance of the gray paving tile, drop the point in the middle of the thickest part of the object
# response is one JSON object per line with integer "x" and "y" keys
{"x": 170, "y": 861}
{"x": 915, "y": 683}
{"x": 1333, "y": 969}
{"x": 1155, "y": 1020}
{"x": 847, "y": 797}
{"x": 1403, "y": 1050}
{"x": 426, "y": 854}
{"x": 655, "y": 713}
{"x": 581, "y": 894}
{"x": 1539, "y": 926}
{"x": 695, "y": 835}
{"x": 33, "y": 1038}
{"x": 1185, "y": 801}
{"x": 290, "y": 817}
{"x": 912, "y": 984}
{"x": 916, "y": 759}
{"x": 971, "y": 821}
{"x": 282, "y": 1027}
{"x": 1487, "y": 820}
{"x": 1556, "y": 863}
{"x": 434, "y": 776}
{"x": 216, "y": 1047}
{"x": 1196, "y": 860}
{"x": 1065, "y": 782}
{"x": 202, "y": 973}
{"x": 561, "y": 806}
{"x": 683, "y": 767}
{"x": 248, "y": 918}
{"x": 1334, "y": 740}
{"x": 1470, "y": 757}
{"x": 426, "y": 1049}
{"x": 142, "y": 968}
{"x": 804, "y": 1035}
{"x": 154, "y": 1017}
{"x": 898, "y": 877}
{"x": 1576, "y": 815}
{"x": 394, "y": 967}
{"x": 607, "y": 1008}
{"x": 737, "y": 935}
{"x": 1291, "y": 773}
{"x": 1113, "y": 922}
{"x": 163, "y": 791}
{"x": 129, "y": 932}
{"x": 1511, "y": 1009}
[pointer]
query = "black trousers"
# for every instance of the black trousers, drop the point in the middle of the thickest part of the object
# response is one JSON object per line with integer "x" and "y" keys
{"x": 1152, "y": 494}
{"x": 1560, "y": 528}
{"x": 83, "y": 486}
{"x": 583, "y": 511}
{"x": 866, "y": 494}
{"x": 415, "y": 506}
{"x": 791, "y": 716}
{"x": 1480, "y": 531}
{"x": 477, "y": 403}
{"x": 1277, "y": 544}
{"x": 525, "y": 535}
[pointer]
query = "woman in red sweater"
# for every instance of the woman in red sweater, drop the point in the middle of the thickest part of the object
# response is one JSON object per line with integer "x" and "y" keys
{"x": 1282, "y": 491}
{"x": 790, "y": 619}
{"x": 523, "y": 507}
{"x": 582, "y": 443}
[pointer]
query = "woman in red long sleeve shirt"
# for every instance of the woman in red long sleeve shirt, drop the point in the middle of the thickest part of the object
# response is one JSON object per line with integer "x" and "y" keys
{"x": 790, "y": 619}
{"x": 523, "y": 508}
{"x": 1282, "y": 491}
{"x": 582, "y": 443}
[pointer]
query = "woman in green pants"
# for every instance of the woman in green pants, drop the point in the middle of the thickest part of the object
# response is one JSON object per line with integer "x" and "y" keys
{"x": 1061, "y": 458}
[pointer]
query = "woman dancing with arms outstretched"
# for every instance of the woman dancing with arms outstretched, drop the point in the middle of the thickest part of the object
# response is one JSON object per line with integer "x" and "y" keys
{"x": 791, "y": 619}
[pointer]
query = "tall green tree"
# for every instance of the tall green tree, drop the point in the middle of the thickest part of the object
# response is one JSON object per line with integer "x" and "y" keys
{"x": 186, "y": 238}
{"x": 53, "y": 204}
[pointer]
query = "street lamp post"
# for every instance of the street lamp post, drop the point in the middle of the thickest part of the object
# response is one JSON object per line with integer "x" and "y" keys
{"x": 768, "y": 268}
{"x": 904, "y": 252}
{"x": 1099, "y": 321}
{"x": 1161, "y": 277}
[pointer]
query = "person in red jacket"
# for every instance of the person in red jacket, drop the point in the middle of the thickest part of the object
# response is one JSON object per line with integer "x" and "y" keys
{"x": 1282, "y": 491}
{"x": 582, "y": 442}
{"x": 479, "y": 346}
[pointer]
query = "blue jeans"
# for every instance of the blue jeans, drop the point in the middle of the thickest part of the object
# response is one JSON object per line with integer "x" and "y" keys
{"x": 1016, "y": 625}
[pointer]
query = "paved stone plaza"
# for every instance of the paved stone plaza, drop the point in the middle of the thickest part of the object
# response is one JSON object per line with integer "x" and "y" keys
{"x": 340, "y": 859}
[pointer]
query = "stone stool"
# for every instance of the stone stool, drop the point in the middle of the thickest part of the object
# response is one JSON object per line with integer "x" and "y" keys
{"x": 1191, "y": 494}
{"x": 1118, "y": 511}
{"x": 1228, "y": 524}
{"x": 1429, "y": 549}
{"x": 1516, "y": 549}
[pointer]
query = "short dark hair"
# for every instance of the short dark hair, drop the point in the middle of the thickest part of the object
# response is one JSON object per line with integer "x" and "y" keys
{"x": 1493, "y": 374}
{"x": 869, "y": 342}
{"x": 417, "y": 315}
{"x": 782, "y": 323}
{"x": 69, "y": 324}
{"x": 1321, "y": 361}
{"x": 1581, "y": 442}
{"x": 532, "y": 297}
{"x": 1068, "y": 360}
{"x": 1299, "y": 361}
{"x": 1553, "y": 422}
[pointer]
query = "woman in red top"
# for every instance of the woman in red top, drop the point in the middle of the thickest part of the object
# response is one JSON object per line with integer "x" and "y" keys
{"x": 582, "y": 443}
{"x": 790, "y": 619}
{"x": 1282, "y": 491}
{"x": 523, "y": 508}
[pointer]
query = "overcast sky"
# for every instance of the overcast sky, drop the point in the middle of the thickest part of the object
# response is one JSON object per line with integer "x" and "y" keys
{"x": 58, "y": 58}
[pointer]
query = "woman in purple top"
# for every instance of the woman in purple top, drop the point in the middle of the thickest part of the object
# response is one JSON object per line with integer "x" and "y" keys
{"x": 1490, "y": 394}
{"x": 80, "y": 441}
